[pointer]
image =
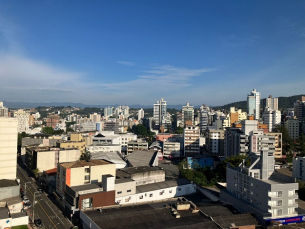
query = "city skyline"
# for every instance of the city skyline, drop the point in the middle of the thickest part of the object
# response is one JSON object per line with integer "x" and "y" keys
{"x": 134, "y": 52}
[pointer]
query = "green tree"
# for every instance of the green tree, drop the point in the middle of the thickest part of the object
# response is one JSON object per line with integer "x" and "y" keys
{"x": 300, "y": 145}
{"x": 36, "y": 172}
{"x": 179, "y": 130}
{"x": 140, "y": 130}
{"x": 47, "y": 130}
{"x": 86, "y": 156}
{"x": 287, "y": 142}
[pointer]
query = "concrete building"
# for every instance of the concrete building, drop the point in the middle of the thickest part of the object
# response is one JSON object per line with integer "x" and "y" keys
{"x": 111, "y": 148}
{"x": 80, "y": 145}
{"x": 87, "y": 126}
{"x": 95, "y": 117}
{"x": 139, "y": 144}
{"x": 204, "y": 117}
{"x": 235, "y": 142}
{"x": 140, "y": 114}
{"x": 299, "y": 108}
{"x": 8, "y": 148}
{"x": 272, "y": 118}
{"x": 3, "y": 110}
{"x": 215, "y": 141}
{"x": 160, "y": 113}
{"x": 46, "y": 158}
{"x": 259, "y": 189}
{"x": 187, "y": 115}
{"x": 271, "y": 103}
{"x": 191, "y": 135}
{"x": 253, "y": 104}
{"x": 260, "y": 141}
{"x": 82, "y": 172}
{"x": 277, "y": 144}
{"x": 106, "y": 139}
{"x": 171, "y": 149}
{"x": 113, "y": 157}
{"x": 53, "y": 120}
{"x": 112, "y": 126}
{"x": 23, "y": 120}
{"x": 142, "y": 158}
{"x": 293, "y": 127}
{"x": 236, "y": 115}
{"x": 298, "y": 171}
{"x": 40, "y": 139}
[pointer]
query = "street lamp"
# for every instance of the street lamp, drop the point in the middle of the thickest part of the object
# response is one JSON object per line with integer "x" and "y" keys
{"x": 25, "y": 186}
{"x": 34, "y": 204}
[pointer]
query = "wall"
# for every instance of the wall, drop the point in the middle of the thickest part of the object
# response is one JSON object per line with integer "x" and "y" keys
{"x": 99, "y": 199}
{"x": 87, "y": 222}
{"x": 8, "y": 147}
{"x": 69, "y": 155}
{"x": 123, "y": 187}
{"x": 45, "y": 160}
{"x": 96, "y": 172}
{"x": 148, "y": 177}
{"x": 9, "y": 222}
{"x": 8, "y": 192}
{"x": 157, "y": 194}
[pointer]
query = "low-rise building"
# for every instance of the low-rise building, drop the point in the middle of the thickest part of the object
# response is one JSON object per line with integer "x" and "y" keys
{"x": 139, "y": 144}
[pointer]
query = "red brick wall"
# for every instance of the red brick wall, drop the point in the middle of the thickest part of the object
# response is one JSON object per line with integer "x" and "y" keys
{"x": 99, "y": 199}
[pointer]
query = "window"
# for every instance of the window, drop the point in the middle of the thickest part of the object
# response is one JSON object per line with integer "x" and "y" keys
{"x": 141, "y": 197}
{"x": 279, "y": 203}
{"x": 87, "y": 203}
{"x": 170, "y": 191}
{"x": 151, "y": 195}
{"x": 256, "y": 175}
{"x": 291, "y": 192}
{"x": 119, "y": 192}
{"x": 87, "y": 177}
{"x": 291, "y": 210}
{"x": 129, "y": 190}
{"x": 291, "y": 201}
{"x": 87, "y": 170}
{"x": 179, "y": 189}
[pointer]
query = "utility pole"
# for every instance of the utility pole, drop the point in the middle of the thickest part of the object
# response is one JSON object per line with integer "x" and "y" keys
{"x": 34, "y": 205}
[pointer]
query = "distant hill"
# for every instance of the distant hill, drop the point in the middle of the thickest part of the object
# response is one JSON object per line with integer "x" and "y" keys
{"x": 284, "y": 103}
{"x": 15, "y": 105}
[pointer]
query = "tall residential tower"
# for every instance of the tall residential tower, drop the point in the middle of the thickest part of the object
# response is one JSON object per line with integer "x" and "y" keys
{"x": 253, "y": 104}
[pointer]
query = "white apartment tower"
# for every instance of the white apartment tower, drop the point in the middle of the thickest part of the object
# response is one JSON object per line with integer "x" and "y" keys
{"x": 95, "y": 117}
{"x": 253, "y": 104}
{"x": 160, "y": 113}
{"x": 140, "y": 114}
{"x": 188, "y": 114}
{"x": 23, "y": 120}
{"x": 271, "y": 118}
{"x": 8, "y": 148}
{"x": 271, "y": 103}
{"x": 3, "y": 110}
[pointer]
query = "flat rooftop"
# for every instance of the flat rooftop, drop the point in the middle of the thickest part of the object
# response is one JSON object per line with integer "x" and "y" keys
{"x": 77, "y": 164}
{"x": 161, "y": 185}
{"x": 85, "y": 187}
{"x": 8, "y": 183}
{"x": 127, "y": 172}
{"x": 156, "y": 215}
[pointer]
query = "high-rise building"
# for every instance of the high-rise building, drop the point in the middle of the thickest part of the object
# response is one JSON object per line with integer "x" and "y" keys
{"x": 23, "y": 120}
{"x": 95, "y": 117}
{"x": 8, "y": 148}
{"x": 53, "y": 120}
{"x": 140, "y": 114}
{"x": 191, "y": 140}
{"x": 293, "y": 127}
{"x": 215, "y": 141}
{"x": 271, "y": 103}
{"x": 160, "y": 113}
{"x": 236, "y": 115}
{"x": 253, "y": 104}
{"x": 299, "y": 108}
{"x": 271, "y": 118}
{"x": 3, "y": 110}
{"x": 188, "y": 114}
{"x": 204, "y": 117}
{"x": 108, "y": 111}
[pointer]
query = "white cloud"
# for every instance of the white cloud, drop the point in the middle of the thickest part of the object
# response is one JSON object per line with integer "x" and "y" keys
{"x": 126, "y": 63}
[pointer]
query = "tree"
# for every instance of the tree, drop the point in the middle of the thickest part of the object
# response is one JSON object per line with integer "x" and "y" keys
{"x": 36, "y": 172}
{"x": 140, "y": 130}
{"x": 287, "y": 141}
{"x": 179, "y": 130}
{"x": 300, "y": 146}
{"x": 47, "y": 130}
{"x": 86, "y": 156}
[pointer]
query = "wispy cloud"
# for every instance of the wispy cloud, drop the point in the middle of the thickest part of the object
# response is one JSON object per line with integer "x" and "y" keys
{"x": 126, "y": 63}
{"x": 164, "y": 77}
{"x": 235, "y": 41}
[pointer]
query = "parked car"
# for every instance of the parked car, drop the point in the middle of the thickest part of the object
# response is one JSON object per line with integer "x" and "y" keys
{"x": 38, "y": 222}
{"x": 25, "y": 199}
{"x": 40, "y": 189}
{"x": 27, "y": 205}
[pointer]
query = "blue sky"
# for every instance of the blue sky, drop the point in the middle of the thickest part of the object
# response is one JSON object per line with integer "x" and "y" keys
{"x": 137, "y": 51}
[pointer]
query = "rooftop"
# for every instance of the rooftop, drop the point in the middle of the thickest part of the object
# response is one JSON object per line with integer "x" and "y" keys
{"x": 77, "y": 164}
{"x": 4, "y": 213}
{"x": 7, "y": 183}
{"x": 142, "y": 158}
{"x": 161, "y": 185}
{"x": 127, "y": 172}
{"x": 51, "y": 171}
{"x": 84, "y": 187}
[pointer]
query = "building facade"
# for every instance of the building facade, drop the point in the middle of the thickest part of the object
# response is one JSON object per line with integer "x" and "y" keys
{"x": 191, "y": 136}
{"x": 253, "y": 104}
{"x": 187, "y": 115}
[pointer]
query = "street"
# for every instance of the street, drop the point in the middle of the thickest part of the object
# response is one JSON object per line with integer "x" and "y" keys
{"x": 43, "y": 208}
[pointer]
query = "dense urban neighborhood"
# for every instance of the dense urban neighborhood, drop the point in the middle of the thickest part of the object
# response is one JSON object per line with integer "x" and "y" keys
{"x": 66, "y": 167}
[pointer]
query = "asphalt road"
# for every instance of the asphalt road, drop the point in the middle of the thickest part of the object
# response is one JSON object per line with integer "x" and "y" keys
{"x": 44, "y": 209}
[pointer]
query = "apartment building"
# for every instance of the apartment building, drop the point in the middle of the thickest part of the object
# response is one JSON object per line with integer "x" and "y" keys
{"x": 23, "y": 120}
{"x": 215, "y": 141}
{"x": 293, "y": 127}
{"x": 204, "y": 117}
{"x": 272, "y": 118}
{"x": 270, "y": 102}
{"x": 45, "y": 158}
{"x": 259, "y": 189}
{"x": 253, "y": 104}
{"x": 53, "y": 120}
{"x": 8, "y": 148}
{"x": 187, "y": 114}
{"x": 3, "y": 110}
{"x": 191, "y": 137}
